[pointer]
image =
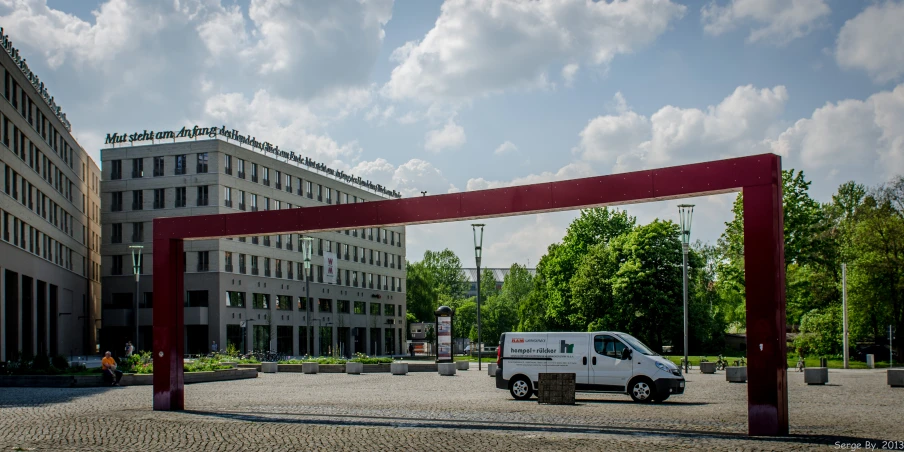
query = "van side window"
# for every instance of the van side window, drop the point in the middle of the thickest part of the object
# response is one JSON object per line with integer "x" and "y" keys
{"x": 608, "y": 346}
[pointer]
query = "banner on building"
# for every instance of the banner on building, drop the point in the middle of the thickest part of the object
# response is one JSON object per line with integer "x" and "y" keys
{"x": 330, "y": 269}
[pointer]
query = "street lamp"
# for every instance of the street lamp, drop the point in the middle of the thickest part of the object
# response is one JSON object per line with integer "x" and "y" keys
{"x": 306, "y": 244}
{"x": 478, "y": 253}
{"x": 136, "y": 268}
{"x": 686, "y": 213}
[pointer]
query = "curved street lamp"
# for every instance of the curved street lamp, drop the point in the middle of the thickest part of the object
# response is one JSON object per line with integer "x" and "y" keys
{"x": 478, "y": 253}
{"x": 136, "y": 269}
{"x": 685, "y": 213}
{"x": 306, "y": 244}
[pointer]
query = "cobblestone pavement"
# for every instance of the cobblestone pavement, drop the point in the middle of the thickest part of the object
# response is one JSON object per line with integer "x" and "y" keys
{"x": 423, "y": 411}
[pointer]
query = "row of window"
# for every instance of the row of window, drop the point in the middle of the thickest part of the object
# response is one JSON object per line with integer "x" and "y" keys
{"x": 35, "y": 200}
{"x": 236, "y": 299}
{"x": 180, "y": 166}
{"x": 29, "y": 238}
{"x": 29, "y": 110}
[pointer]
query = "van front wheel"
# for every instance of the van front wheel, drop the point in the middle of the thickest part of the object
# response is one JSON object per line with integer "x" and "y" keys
{"x": 520, "y": 388}
{"x": 642, "y": 390}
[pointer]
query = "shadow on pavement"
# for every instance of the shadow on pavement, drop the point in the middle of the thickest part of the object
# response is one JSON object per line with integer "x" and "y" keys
{"x": 348, "y": 420}
{"x": 26, "y": 397}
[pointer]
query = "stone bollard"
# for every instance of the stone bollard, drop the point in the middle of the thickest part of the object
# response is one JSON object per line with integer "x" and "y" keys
{"x": 269, "y": 367}
{"x": 354, "y": 368}
{"x": 462, "y": 365}
{"x": 816, "y": 375}
{"x": 491, "y": 369}
{"x": 736, "y": 374}
{"x": 446, "y": 369}
{"x": 896, "y": 378}
{"x": 871, "y": 361}
{"x": 310, "y": 368}
{"x": 708, "y": 368}
{"x": 399, "y": 368}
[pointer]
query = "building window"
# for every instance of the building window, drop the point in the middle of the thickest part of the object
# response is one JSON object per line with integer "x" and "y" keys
{"x": 158, "y": 166}
{"x": 375, "y": 309}
{"x": 309, "y": 190}
{"x": 116, "y": 236}
{"x": 359, "y": 307}
{"x": 266, "y": 174}
{"x": 241, "y": 199}
{"x": 137, "y": 168}
{"x": 117, "y": 265}
{"x": 180, "y": 164}
{"x": 180, "y": 196}
{"x": 320, "y": 192}
{"x": 288, "y": 183}
{"x": 253, "y": 172}
{"x": 329, "y": 195}
{"x": 261, "y": 301}
{"x": 116, "y": 169}
{"x": 278, "y": 180}
{"x": 137, "y": 232}
{"x": 227, "y": 197}
{"x": 267, "y": 266}
{"x": 242, "y": 264}
{"x": 279, "y": 268}
{"x": 116, "y": 204}
{"x": 241, "y": 168}
{"x": 202, "y": 162}
{"x": 283, "y": 302}
{"x": 203, "y": 261}
{"x": 342, "y": 306}
{"x": 196, "y": 299}
{"x": 137, "y": 200}
{"x": 324, "y": 305}
{"x": 254, "y": 269}
{"x": 235, "y": 299}
{"x": 202, "y": 195}
{"x": 253, "y": 202}
{"x": 159, "y": 198}
{"x": 227, "y": 164}
{"x": 389, "y": 310}
{"x": 228, "y": 261}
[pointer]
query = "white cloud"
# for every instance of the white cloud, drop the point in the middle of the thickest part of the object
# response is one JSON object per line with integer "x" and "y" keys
{"x": 859, "y": 139}
{"x": 570, "y": 171}
{"x": 506, "y": 148}
{"x": 410, "y": 178}
{"x": 450, "y": 136}
{"x": 871, "y": 41}
{"x": 478, "y": 48}
{"x": 568, "y": 73}
{"x": 778, "y": 21}
{"x": 674, "y": 135}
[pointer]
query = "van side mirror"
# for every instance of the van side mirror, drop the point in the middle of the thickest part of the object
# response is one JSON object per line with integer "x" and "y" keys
{"x": 626, "y": 354}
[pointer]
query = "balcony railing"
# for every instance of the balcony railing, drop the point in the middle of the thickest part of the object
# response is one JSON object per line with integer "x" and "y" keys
{"x": 266, "y": 241}
{"x": 267, "y": 182}
{"x": 240, "y": 174}
{"x": 254, "y": 271}
{"x": 278, "y": 185}
{"x": 229, "y": 268}
{"x": 242, "y": 269}
{"x": 228, "y": 203}
{"x": 254, "y": 178}
{"x": 278, "y": 274}
{"x": 267, "y": 272}
{"x": 241, "y": 206}
{"x": 203, "y": 267}
{"x": 228, "y": 170}
{"x": 201, "y": 168}
{"x": 254, "y": 240}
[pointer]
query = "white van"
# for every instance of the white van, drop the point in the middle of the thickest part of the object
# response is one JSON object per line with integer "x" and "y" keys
{"x": 602, "y": 362}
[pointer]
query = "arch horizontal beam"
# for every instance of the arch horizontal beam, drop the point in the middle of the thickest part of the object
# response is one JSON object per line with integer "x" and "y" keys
{"x": 758, "y": 177}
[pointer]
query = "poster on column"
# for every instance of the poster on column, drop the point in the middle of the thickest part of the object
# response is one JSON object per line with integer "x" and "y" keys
{"x": 444, "y": 339}
{"x": 329, "y": 268}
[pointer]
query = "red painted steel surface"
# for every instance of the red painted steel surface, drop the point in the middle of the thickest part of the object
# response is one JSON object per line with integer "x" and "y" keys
{"x": 758, "y": 175}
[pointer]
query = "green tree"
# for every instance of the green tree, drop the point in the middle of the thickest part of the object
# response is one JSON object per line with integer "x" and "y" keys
{"x": 422, "y": 293}
{"x": 487, "y": 284}
{"x": 447, "y": 272}
{"x": 500, "y": 311}
{"x": 820, "y": 332}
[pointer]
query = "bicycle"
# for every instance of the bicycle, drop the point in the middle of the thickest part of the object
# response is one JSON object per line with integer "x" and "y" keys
{"x": 721, "y": 363}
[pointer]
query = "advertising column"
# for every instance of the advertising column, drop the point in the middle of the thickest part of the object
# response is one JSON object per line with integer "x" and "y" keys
{"x": 444, "y": 334}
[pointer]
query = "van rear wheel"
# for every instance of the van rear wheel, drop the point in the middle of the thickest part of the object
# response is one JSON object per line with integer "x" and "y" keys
{"x": 520, "y": 388}
{"x": 642, "y": 390}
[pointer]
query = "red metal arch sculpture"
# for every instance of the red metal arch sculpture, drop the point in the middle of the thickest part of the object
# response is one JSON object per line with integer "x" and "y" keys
{"x": 757, "y": 177}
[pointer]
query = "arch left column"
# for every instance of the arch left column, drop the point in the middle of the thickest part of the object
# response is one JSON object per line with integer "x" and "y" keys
{"x": 169, "y": 319}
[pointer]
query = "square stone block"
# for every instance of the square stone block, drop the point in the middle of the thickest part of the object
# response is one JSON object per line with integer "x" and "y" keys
{"x": 871, "y": 361}
{"x": 816, "y": 375}
{"x": 399, "y": 368}
{"x": 491, "y": 369}
{"x": 462, "y": 365}
{"x": 736, "y": 374}
{"x": 896, "y": 378}
{"x": 354, "y": 368}
{"x": 310, "y": 368}
{"x": 708, "y": 368}
{"x": 446, "y": 369}
{"x": 269, "y": 367}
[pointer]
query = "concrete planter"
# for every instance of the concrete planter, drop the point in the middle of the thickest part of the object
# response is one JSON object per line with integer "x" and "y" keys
{"x": 269, "y": 367}
{"x": 736, "y": 374}
{"x": 310, "y": 368}
{"x": 896, "y": 378}
{"x": 87, "y": 381}
{"x": 491, "y": 369}
{"x": 399, "y": 368}
{"x": 816, "y": 375}
{"x": 447, "y": 369}
{"x": 708, "y": 368}
{"x": 354, "y": 368}
{"x": 462, "y": 365}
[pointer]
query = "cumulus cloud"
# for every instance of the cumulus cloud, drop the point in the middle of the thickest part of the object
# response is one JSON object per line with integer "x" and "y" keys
{"x": 450, "y": 136}
{"x": 410, "y": 178}
{"x": 506, "y": 148}
{"x": 570, "y": 171}
{"x": 675, "y": 135}
{"x": 871, "y": 41}
{"x": 478, "y": 48}
{"x": 775, "y": 21}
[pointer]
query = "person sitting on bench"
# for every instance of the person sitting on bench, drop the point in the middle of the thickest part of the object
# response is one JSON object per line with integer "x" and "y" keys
{"x": 111, "y": 375}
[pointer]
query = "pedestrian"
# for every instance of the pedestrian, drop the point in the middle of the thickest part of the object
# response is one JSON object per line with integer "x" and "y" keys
{"x": 111, "y": 375}
{"x": 411, "y": 349}
{"x": 129, "y": 348}
{"x": 213, "y": 347}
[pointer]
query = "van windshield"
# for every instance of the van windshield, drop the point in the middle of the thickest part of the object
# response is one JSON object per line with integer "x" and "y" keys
{"x": 637, "y": 345}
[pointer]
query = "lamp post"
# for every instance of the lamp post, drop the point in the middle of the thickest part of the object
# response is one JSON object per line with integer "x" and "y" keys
{"x": 306, "y": 244}
{"x": 478, "y": 253}
{"x": 844, "y": 316}
{"x": 136, "y": 268}
{"x": 685, "y": 213}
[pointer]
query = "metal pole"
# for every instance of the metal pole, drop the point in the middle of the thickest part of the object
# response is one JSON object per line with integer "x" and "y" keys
{"x": 684, "y": 279}
{"x": 479, "y": 360}
{"x": 844, "y": 313}
{"x": 307, "y": 310}
{"x": 137, "y": 277}
{"x": 891, "y": 355}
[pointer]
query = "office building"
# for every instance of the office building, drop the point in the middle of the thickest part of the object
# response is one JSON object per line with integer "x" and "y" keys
{"x": 248, "y": 293}
{"x": 49, "y": 209}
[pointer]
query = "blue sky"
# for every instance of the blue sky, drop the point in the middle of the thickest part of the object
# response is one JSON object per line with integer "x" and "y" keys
{"x": 426, "y": 95}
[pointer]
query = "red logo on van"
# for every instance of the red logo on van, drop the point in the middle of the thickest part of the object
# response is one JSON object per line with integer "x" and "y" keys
{"x": 517, "y": 340}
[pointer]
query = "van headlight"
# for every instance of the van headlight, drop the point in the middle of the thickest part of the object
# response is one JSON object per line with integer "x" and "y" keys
{"x": 663, "y": 367}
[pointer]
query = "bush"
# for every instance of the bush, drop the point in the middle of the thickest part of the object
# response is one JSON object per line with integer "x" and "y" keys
{"x": 820, "y": 333}
{"x": 60, "y": 362}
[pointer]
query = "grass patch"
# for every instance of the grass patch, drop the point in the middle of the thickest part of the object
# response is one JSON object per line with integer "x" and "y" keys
{"x": 792, "y": 362}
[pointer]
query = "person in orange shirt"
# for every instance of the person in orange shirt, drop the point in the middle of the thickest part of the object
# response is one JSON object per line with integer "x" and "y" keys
{"x": 111, "y": 375}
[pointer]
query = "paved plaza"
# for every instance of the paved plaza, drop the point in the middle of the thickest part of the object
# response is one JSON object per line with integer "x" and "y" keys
{"x": 423, "y": 411}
